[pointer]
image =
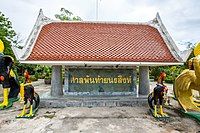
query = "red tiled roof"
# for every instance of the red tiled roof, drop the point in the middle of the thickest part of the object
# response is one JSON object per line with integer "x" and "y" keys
{"x": 80, "y": 41}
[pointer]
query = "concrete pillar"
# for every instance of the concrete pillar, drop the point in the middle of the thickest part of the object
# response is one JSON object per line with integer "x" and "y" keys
{"x": 56, "y": 81}
{"x": 66, "y": 81}
{"x": 144, "y": 86}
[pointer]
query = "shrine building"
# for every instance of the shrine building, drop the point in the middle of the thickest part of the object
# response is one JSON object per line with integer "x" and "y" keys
{"x": 100, "y": 58}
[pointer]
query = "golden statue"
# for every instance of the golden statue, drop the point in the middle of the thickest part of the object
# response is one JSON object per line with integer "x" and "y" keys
{"x": 188, "y": 81}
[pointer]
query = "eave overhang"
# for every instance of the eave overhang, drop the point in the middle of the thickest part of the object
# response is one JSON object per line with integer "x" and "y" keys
{"x": 101, "y": 63}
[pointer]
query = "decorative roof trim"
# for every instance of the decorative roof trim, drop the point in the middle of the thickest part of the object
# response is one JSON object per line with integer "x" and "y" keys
{"x": 185, "y": 54}
{"x": 103, "y": 22}
{"x": 41, "y": 21}
{"x": 16, "y": 51}
{"x": 157, "y": 23}
{"x": 100, "y": 63}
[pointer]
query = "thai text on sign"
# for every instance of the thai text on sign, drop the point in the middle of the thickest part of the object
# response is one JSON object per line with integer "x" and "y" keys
{"x": 105, "y": 80}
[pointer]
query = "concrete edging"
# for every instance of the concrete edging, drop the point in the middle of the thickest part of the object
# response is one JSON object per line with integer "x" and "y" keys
{"x": 93, "y": 102}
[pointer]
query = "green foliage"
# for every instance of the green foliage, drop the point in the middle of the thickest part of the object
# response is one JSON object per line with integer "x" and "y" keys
{"x": 171, "y": 71}
{"x": 41, "y": 76}
{"x": 169, "y": 79}
{"x": 33, "y": 78}
{"x": 36, "y": 75}
{"x": 20, "y": 68}
{"x": 66, "y": 15}
{"x": 21, "y": 79}
{"x": 47, "y": 72}
{"x": 7, "y": 34}
{"x": 155, "y": 72}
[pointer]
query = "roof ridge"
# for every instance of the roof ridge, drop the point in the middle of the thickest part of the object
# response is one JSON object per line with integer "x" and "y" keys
{"x": 101, "y": 22}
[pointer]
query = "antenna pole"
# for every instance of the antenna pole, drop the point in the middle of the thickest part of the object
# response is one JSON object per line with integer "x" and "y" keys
{"x": 97, "y": 9}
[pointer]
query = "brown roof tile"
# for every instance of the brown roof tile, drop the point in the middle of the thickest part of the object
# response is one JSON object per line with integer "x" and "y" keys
{"x": 61, "y": 41}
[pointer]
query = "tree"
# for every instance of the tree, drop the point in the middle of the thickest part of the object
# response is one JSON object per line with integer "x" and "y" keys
{"x": 7, "y": 34}
{"x": 66, "y": 15}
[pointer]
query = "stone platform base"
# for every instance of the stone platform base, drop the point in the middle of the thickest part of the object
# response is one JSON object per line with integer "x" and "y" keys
{"x": 92, "y": 101}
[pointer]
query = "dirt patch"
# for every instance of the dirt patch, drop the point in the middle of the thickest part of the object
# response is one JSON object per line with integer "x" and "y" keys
{"x": 96, "y": 119}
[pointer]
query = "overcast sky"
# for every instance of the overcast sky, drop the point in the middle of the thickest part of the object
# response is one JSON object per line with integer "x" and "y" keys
{"x": 180, "y": 17}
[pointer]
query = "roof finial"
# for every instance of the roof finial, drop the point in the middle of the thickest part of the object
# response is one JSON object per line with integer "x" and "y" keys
{"x": 157, "y": 15}
{"x": 155, "y": 20}
{"x": 41, "y": 12}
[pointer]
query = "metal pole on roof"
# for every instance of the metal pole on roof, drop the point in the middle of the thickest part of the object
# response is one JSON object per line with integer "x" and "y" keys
{"x": 97, "y": 9}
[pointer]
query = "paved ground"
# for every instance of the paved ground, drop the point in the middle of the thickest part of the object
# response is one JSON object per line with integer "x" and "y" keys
{"x": 97, "y": 119}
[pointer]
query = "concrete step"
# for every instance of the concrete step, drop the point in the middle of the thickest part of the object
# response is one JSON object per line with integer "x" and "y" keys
{"x": 93, "y": 101}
